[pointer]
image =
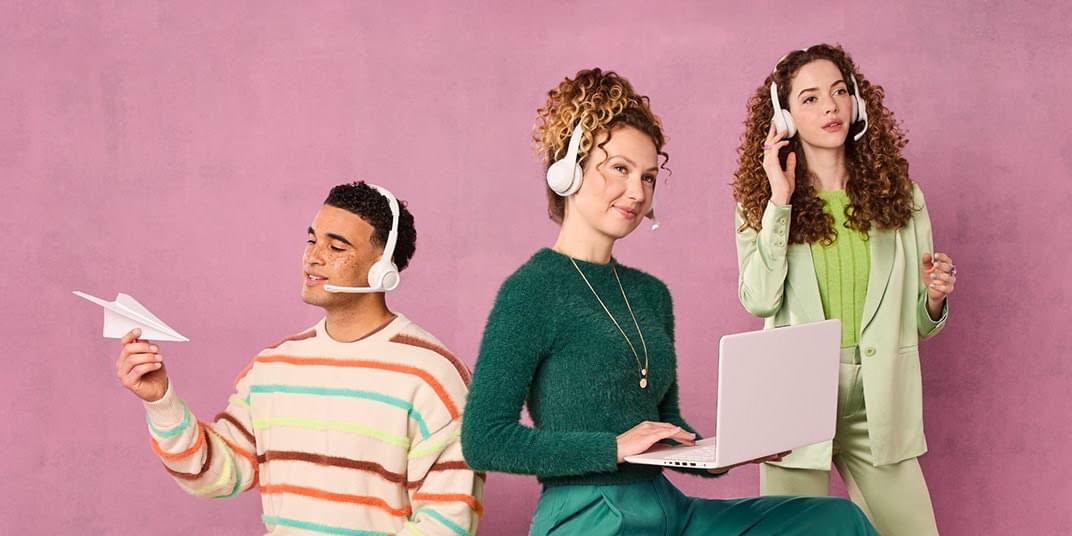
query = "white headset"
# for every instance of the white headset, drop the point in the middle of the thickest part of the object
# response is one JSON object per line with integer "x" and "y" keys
{"x": 783, "y": 121}
{"x": 564, "y": 176}
{"x": 383, "y": 274}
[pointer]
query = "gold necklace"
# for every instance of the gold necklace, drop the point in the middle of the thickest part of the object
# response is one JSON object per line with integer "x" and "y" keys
{"x": 643, "y": 368}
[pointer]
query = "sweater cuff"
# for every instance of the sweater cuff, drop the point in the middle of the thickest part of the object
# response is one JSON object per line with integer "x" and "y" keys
{"x": 927, "y": 325}
{"x": 168, "y": 412}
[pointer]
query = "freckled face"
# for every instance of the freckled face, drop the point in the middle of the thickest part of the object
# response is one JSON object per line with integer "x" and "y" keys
{"x": 339, "y": 250}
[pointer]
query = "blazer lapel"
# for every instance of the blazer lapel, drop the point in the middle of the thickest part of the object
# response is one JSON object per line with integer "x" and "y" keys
{"x": 882, "y": 242}
{"x": 802, "y": 282}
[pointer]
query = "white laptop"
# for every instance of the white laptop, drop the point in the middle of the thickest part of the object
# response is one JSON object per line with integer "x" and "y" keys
{"x": 777, "y": 391}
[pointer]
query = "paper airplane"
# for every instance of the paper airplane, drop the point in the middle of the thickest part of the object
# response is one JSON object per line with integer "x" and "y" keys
{"x": 125, "y": 314}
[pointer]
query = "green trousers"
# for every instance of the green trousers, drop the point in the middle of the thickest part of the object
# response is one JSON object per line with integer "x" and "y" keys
{"x": 657, "y": 508}
{"x": 894, "y": 497}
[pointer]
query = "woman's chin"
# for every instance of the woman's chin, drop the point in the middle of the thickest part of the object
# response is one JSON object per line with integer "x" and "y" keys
{"x": 620, "y": 230}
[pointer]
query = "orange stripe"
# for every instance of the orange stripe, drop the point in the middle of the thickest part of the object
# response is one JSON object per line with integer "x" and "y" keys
{"x": 180, "y": 455}
{"x": 410, "y": 340}
{"x": 376, "y": 502}
{"x": 451, "y": 497}
{"x": 363, "y": 363}
{"x": 194, "y": 476}
{"x": 245, "y": 454}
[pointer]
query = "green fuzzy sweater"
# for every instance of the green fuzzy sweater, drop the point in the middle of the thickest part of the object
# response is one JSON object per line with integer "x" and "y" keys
{"x": 549, "y": 344}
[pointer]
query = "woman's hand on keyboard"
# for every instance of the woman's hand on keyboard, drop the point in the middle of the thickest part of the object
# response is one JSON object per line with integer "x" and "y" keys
{"x": 641, "y": 437}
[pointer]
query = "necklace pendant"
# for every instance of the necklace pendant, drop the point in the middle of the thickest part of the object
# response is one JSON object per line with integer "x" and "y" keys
{"x": 644, "y": 372}
{"x": 643, "y": 383}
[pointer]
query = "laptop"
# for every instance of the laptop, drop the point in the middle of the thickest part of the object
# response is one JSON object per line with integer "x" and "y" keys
{"x": 777, "y": 391}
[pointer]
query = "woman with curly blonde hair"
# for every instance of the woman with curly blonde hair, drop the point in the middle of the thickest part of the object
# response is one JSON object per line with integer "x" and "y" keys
{"x": 829, "y": 225}
{"x": 588, "y": 344}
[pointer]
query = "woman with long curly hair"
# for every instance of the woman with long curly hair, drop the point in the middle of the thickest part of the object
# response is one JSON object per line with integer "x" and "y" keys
{"x": 588, "y": 344}
{"x": 829, "y": 225}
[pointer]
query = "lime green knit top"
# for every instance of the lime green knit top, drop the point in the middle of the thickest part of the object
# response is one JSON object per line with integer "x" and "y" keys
{"x": 842, "y": 270}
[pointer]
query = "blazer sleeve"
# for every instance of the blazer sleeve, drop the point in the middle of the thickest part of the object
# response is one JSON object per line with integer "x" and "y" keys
{"x": 921, "y": 222}
{"x": 761, "y": 259}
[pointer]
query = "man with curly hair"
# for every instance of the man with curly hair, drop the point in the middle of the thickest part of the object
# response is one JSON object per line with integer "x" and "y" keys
{"x": 349, "y": 427}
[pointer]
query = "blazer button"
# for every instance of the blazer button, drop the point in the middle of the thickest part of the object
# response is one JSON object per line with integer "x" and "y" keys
{"x": 869, "y": 351}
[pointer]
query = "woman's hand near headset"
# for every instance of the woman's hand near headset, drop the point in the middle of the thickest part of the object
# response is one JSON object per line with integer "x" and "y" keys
{"x": 782, "y": 182}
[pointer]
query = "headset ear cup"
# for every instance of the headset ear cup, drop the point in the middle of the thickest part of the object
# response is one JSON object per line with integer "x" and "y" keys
{"x": 561, "y": 180}
{"x": 790, "y": 126}
{"x": 556, "y": 180}
{"x": 575, "y": 182}
{"x": 383, "y": 275}
{"x": 390, "y": 278}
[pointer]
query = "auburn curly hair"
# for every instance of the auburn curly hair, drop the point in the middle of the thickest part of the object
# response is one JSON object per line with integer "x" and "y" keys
{"x": 600, "y": 101}
{"x": 879, "y": 189}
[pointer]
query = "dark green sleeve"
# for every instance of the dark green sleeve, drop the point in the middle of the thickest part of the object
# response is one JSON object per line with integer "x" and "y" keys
{"x": 669, "y": 409}
{"x": 517, "y": 335}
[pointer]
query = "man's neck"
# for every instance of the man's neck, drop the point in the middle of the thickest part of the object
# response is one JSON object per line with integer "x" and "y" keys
{"x": 354, "y": 321}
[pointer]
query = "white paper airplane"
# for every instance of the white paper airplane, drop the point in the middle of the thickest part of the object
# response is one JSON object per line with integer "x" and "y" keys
{"x": 125, "y": 314}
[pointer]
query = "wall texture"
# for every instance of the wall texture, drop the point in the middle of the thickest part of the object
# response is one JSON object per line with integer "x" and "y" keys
{"x": 177, "y": 152}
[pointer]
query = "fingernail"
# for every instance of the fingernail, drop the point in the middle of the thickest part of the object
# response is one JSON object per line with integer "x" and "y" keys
{"x": 154, "y": 349}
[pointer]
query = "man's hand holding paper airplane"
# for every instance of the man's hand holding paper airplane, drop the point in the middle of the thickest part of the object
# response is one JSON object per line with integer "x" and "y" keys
{"x": 140, "y": 367}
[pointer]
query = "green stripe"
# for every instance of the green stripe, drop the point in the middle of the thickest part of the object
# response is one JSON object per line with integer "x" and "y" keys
{"x": 443, "y": 519}
{"x": 317, "y": 527}
{"x": 432, "y": 447}
{"x": 351, "y": 393}
{"x": 174, "y": 431}
{"x": 338, "y": 426}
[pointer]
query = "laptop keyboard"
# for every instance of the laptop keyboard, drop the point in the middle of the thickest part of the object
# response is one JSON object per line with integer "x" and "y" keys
{"x": 699, "y": 454}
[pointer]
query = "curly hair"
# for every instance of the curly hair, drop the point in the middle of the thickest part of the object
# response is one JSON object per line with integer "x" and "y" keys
{"x": 370, "y": 205}
{"x": 879, "y": 189}
{"x": 599, "y": 101}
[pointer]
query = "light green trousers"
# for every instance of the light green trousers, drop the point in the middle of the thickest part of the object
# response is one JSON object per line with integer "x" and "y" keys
{"x": 657, "y": 508}
{"x": 894, "y": 497}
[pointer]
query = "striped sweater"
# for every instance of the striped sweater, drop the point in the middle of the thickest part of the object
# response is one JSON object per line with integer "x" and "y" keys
{"x": 357, "y": 438}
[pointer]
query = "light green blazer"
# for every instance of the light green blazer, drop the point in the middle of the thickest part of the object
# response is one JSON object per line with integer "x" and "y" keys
{"x": 777, "y": 282}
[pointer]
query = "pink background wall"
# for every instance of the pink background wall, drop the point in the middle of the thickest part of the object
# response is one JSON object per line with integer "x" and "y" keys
{"x": 177, "y": 152}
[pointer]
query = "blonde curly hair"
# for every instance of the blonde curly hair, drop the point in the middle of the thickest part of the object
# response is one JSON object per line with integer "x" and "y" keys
{"x": 879, "y": 189}
{"x": 599, "y": 101}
